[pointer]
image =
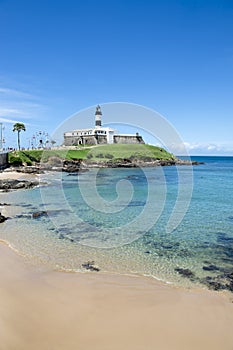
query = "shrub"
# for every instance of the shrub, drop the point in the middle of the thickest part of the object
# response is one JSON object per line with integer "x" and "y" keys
{"x": 99, "y": 155}
{"x": 109, "y": 156}
{"x": 89, "y": 155}
{"x": 16, "y": 161}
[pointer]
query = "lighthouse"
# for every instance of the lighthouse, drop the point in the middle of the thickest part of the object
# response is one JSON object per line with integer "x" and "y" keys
{"x": 98, "y": 115}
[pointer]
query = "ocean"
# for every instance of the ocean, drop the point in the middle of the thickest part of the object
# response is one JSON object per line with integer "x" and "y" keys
{"x": 118, "y": 219}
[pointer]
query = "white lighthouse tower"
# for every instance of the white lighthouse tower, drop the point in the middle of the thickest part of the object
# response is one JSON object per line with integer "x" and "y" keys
{"x": 98, "y": 115}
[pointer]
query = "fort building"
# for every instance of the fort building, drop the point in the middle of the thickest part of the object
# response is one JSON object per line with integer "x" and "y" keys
{"x": 99, "y": 135}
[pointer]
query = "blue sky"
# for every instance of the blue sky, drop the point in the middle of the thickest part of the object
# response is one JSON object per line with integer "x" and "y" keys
{"x": 173, "y": 56}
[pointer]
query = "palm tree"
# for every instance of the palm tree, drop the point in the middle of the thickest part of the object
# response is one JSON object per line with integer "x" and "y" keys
{"x": 19, "y": 127}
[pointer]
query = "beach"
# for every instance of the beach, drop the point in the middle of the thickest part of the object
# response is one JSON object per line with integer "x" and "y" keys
{"x": 43, "y": 309}
{"x": 14, "y": 175}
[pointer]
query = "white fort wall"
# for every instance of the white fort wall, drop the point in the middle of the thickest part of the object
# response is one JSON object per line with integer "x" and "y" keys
{"x": 70, "y": 140}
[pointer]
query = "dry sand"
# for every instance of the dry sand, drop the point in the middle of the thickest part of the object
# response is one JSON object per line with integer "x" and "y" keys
{"x": 48, "y": 310}
{"x": 14, "y": 175}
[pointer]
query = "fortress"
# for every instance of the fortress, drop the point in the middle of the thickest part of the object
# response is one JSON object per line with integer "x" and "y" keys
{"x": 99, "y": 135}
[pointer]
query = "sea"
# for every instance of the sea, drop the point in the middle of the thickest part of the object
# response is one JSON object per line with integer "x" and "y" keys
{"x": 171, "y": 223}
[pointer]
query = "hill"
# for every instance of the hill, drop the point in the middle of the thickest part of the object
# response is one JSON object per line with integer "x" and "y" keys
{"x": 98, "y": 154}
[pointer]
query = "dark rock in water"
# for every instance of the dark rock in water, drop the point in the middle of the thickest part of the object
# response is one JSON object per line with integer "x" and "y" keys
{"x": 26, "y": 205}
{"x": 211, "y": 268}
{"x": 227, "y": 276}
{"x": 207, "y": 262}
{"x": 167, "y": 246}
{"x": 230, "y": 276}
{"x": 184, "y": 253}
{"x": 23, "y": 216}
{"x": 223, "y": 238}
{"x": 185, "y": 272}
{"x": 137, "y": 204}
{"x": 39, "y": 214}
{"x": 2, "y": 218}
{"x": 215, "y": 285}
{"x": 4, "y": 204}
{"x": 90, "y": 265}
{"x": 229, "y": 252}
{"x": 230, "y": 286}
{"x": 55, "y": 212}
{"x": 147, "y": 252}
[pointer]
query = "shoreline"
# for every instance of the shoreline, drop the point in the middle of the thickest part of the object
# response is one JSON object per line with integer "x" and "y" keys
{"x": 7, "y": 210}
{"x": 44, "y": 309}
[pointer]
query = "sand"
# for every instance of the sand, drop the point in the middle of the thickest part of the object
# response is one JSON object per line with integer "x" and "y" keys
{"x": 14, "y": 175}
{"x": 49, "y": 310}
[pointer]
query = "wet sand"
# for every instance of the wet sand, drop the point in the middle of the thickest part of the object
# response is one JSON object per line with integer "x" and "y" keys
{"x": 49, "y": 310}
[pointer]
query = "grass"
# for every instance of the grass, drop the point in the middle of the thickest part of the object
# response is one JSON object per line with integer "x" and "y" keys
{"x": 97, "y": 153}
{"x": 131, "y": 151}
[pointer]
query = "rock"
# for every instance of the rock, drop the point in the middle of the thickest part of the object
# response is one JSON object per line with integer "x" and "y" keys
{"x": 90, "y": 265}
{"x": 224, "y": 238}
{"x": 147, "y": 252}
{"x": 30, "y": 170}
{"x": 2, "y": 218}
{"x": 230, "y": 286}
{"x": 39, "y": 214}
{"x": 185, "y": 272}
{"x": 71, "y": 166}
{"x": 167, "y": 246}
{"x": 19, "y": 185}
{"x": 211, "y": 268}
{"x": 215, "y": 285}
{"x": 11, "y": 184}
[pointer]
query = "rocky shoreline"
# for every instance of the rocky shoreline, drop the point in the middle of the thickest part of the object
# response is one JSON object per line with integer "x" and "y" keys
{"x": 80, "y": 165}
{"x": 12, "y": 184}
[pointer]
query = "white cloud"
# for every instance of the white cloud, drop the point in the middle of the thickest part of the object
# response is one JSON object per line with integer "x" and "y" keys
{"x": 15, "y": 93}
{"x": 9, "y": 111}
{"x": 19, "y": 104}
{"x": 8, "y": 121}
{"x": 198, "y": 148}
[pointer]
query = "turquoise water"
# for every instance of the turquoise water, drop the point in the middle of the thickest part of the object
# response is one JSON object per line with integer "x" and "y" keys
{"x": 105, "y": 216}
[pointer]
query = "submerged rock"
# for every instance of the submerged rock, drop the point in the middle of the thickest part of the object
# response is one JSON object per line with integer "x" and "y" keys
{"x": 54, "y": 212}
{"x": 90, "y": 265}
{"x": 185, "y": 272}
{"x": 211, "y": 268}
{"x": 39, "y": 214}
{"x": 224, "y": 238}
{"x": 215, "y": 285}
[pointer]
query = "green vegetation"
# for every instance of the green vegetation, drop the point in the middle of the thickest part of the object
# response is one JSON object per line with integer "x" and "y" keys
{"x": 113, "y": 153}
{"x": 19, "y": 127}
{"x": 131, "y": 151}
